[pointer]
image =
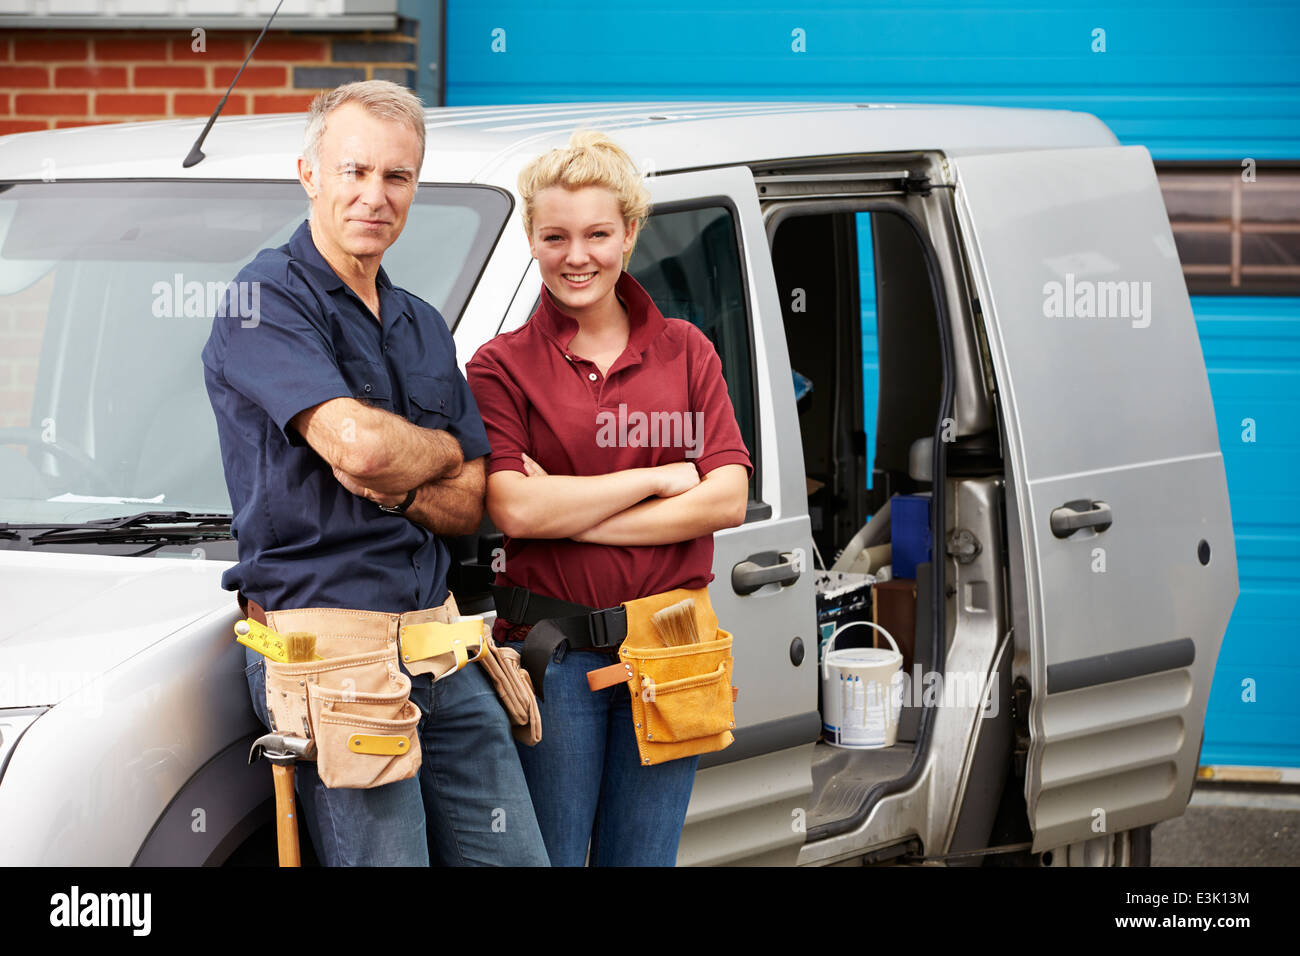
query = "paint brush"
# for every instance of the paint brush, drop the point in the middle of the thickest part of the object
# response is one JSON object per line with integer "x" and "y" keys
{"x": 676, "y": 623}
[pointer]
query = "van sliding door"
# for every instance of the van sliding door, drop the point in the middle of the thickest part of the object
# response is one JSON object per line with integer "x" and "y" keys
{"x": 703, "y": 256}
{"x": 1123, "y": 567}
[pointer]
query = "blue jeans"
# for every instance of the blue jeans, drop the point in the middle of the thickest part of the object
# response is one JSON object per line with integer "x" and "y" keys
{"x": 586, "y": 777}
{"x": 467, "y": 806}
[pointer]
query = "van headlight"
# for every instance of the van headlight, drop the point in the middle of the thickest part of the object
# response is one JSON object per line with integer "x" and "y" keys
{"x": 13, "y": 723}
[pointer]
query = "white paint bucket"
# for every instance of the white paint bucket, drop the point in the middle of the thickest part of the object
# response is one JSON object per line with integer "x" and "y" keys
{"x": 862, "y": 693}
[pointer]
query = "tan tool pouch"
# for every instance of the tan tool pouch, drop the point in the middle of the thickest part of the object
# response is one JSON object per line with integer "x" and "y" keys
{"x": 682, "y": 697}
{"x": 355, "y": 701}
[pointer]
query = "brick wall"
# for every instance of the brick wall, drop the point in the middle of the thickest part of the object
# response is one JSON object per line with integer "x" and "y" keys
{"x": 22, "y": 328}
{"x": 55, "y": 78}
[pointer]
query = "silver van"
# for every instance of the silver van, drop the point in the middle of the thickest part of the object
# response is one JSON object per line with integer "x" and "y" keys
{"x": 1032, "y": 375}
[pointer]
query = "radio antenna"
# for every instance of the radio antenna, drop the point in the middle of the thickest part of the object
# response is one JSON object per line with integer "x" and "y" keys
{"x": 196, "y": 155}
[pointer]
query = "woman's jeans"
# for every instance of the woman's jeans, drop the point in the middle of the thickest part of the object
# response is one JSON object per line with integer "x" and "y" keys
{"x": 467, "y": 806}
{"x": 586, "y": 777}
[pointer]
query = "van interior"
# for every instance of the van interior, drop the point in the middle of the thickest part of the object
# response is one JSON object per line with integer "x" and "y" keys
{"x": 862, "y": 334}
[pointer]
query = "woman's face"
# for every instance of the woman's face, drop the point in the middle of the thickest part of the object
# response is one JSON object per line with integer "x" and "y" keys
{"x": 579, "y": 240}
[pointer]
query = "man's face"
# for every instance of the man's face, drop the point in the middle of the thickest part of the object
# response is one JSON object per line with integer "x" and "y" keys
{"x": 578, "y": 241}
{"x": 364, "y": 182}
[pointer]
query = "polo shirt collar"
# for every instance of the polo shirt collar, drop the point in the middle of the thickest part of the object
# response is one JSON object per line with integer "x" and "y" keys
{"x": 645, "y": 321}
{"x": 302, "y": 247}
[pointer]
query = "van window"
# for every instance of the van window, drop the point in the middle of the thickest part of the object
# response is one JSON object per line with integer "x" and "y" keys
{"x": 688, "y": 259}
{"x": 107, "y": 292}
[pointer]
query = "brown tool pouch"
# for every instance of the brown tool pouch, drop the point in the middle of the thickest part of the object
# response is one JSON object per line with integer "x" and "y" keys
{"x": 355, "y": 702}
{"x": 682, "y": 697}
{"x": 515, "y": 688}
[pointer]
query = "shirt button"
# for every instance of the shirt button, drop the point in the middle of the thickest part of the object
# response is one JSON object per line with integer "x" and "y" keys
{"x": 367, "y": 387}
{"x": 592, "y": 376}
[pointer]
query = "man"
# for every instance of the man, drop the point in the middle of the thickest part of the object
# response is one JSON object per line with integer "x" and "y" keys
{"x": 351, "y": 442}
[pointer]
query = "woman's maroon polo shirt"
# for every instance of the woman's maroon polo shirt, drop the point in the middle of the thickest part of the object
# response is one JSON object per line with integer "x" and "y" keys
{"x": 664, "y": 400}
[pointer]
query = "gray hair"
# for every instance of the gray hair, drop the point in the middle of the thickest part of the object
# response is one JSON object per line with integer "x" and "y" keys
{"x": 381, "y": 98}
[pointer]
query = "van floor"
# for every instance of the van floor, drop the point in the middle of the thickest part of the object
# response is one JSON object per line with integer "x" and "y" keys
{"x": 841, "y": 778}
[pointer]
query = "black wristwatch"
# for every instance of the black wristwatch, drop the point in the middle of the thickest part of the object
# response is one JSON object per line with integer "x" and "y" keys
{"x": 400, "y": 509}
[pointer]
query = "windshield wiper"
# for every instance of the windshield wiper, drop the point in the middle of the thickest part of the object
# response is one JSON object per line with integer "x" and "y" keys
{"x": 147, "y": 527}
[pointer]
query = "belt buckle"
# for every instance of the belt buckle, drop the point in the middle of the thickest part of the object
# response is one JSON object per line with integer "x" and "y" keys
{"x": 598, "y": 626}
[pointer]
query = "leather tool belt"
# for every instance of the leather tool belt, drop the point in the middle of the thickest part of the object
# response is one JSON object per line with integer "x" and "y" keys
{"x": 355, "y": 700}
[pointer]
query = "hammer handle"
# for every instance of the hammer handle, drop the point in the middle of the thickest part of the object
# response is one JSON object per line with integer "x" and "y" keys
{"x": 286, "y": 817}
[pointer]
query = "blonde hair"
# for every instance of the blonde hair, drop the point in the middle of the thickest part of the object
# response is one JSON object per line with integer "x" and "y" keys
{"x": 381, "y": 98}
{"x": 590, "y": 159}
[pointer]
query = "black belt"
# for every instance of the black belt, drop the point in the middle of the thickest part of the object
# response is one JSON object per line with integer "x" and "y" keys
{"x": 555, "y": 622}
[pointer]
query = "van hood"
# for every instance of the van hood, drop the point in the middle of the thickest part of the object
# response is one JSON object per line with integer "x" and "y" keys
{"x": 69, "y": 618}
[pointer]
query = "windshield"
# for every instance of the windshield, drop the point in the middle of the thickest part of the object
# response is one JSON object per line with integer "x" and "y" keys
{"x": 107, "y": 292}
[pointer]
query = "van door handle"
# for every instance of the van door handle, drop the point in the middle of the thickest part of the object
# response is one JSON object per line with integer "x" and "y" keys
{"x": 766, "y": 567}
{"x": 1073, "y": 515}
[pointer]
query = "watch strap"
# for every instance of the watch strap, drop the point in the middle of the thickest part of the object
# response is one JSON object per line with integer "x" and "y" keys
{"x": 400, "y": 509}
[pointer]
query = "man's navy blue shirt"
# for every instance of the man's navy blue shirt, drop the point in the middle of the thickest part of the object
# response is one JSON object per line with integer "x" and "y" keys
{"x": 304, "y": 539}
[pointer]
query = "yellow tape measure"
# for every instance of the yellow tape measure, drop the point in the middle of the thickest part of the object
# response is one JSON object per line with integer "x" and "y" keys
{"x": 262, "y": 639}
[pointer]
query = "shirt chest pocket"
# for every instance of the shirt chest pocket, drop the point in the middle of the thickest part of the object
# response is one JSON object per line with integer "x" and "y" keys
{"x": 432, "y": 401}
{"x": 369, "y": 382}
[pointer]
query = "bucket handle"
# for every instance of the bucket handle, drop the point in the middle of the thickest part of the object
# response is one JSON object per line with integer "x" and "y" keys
{"x": 830, "y": 644}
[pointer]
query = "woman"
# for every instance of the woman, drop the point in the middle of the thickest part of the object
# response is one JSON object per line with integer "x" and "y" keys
{"x": 597, "y": 511}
